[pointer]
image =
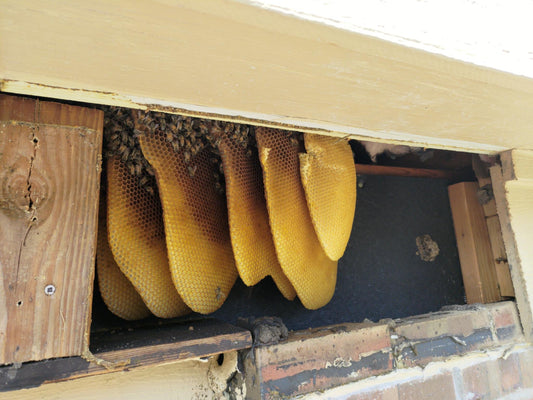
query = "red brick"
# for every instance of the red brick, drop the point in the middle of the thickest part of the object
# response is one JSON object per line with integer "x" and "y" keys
{"x": 526, "y": 367}
{"x": 482, "y": 381}
{"x": 437, "y": 387}
{"x": 458, "y": 323}
{"x": 506, "y": 322}
{"x": 510, "y": 373}
{"x": 503, "y": 314}
{"x": 390, "y": 393}
{"x": 318, "y": 359}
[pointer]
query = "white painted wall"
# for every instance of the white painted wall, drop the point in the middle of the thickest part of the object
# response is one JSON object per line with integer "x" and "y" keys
{"x": 491, "y": 33}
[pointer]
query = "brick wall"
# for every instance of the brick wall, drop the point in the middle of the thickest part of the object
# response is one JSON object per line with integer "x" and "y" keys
{"x": 461, "y": 352}
{"x": 492, "y": 374}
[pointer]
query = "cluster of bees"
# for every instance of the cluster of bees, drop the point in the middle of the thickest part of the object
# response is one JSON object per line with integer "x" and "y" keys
{"x": 250, "y": 232}
{"x": 121, "y": 139}
{"x": 187, "y": 135}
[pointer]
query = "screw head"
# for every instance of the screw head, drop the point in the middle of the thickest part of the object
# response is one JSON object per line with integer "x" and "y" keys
{"x": 49, "y": 290}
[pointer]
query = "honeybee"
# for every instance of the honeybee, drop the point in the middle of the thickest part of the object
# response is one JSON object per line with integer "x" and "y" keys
{"x": 192, "y": 170}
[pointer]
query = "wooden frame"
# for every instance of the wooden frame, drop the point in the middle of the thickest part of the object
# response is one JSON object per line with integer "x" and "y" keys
{"x": 230, "y": 60}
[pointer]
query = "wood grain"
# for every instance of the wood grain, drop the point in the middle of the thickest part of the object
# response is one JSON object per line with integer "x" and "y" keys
{"x": 501, "y": 266}
{"x": 370, "y": 169}
{"x": 49, "y": 184}
{"x": 132, "y": 348}
{"x": 473, "y": 243}
{"x": 499, "y": 254}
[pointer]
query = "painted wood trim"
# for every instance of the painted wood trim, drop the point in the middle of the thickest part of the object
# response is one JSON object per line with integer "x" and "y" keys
{"x": 233, "y": 60}
{"x": 513, "y": 192}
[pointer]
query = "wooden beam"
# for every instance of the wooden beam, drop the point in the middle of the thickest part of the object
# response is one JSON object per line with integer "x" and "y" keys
{"x": 513, "y": 191}
{"x": 473, "y": 243}
{"x": 49, "y": 184}
{"x": 206, "y": 58}
{"x": 501, "y": 265}
{"x": 471, "y": 40}
{"x": 369, "y": 169}
{"x": 131, "y": 348}
{"x": 503, "y": 273}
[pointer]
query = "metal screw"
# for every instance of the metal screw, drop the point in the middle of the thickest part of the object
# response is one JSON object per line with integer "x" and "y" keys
{"x": 49, "y": 290}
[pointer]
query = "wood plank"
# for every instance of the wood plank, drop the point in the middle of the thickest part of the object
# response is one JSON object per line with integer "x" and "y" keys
{"x": 517, "y": 164}
{"x": 310, "y": 76}
{"x": 132, "y": 348}
{"x": 49, "y": 183}
{"x": 522, "y": 279}
{"x": 473, "y": 243}
{"x": 370, "y": 169}
{"x": 503, "y": 274}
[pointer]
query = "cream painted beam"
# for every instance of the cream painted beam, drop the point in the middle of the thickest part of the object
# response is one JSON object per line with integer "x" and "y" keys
{"x": 232, "y": 60}
{"x": 513, "y": 191}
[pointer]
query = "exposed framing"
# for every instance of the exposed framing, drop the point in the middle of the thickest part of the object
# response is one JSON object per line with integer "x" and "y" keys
{"x": 263, "y": 69}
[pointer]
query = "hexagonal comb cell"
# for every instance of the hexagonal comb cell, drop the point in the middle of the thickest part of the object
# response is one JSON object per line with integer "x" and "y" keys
{"x": 196, "y": 223}
{"x": 117, "y": 292}
{"x": 253, "y": 247}
{"x": 312, "y": 273}
{"x": 328, "y": 176}
{"x": 137, "y": 239}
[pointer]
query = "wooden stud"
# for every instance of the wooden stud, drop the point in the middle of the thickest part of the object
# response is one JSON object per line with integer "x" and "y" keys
{"x": 503, "y": 274}
{"x": 513, "y": 192}
{"x": 500, "y": 257}
{"x": 49, "y": 184}
{"x": 473, "y": 242}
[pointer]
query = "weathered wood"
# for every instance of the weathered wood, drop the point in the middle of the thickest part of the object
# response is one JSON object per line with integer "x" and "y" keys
{"x": 517, "y": 164}
{"x": 503, "y": 275}
{"x": 513, "y": 191}
{"x": 310, "y": 76}
{"x": 49, "y": 184}
{"x": 370, "y": 169}
{"x": 473, "y": 243}
{"x": 133, "y": 348}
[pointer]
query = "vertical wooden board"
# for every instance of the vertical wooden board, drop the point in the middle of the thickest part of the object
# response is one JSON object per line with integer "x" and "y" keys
{"x": 49, "y": 184}
{"x": 500, "y": 257}
{"x": 503, "y": 274}
{"x": 473, "y": 243}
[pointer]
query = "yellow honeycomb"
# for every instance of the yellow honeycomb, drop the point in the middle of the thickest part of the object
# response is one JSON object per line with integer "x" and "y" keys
{"x": 137, "y": 239}
{"x": 196, "y": 224}
{"x": 253, "y": 247}
{"x": 312, "y": 273}
{"x": 328, "y": 176}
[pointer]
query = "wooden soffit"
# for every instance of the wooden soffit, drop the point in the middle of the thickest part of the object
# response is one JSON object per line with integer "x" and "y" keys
{"x": 236, "y": 60}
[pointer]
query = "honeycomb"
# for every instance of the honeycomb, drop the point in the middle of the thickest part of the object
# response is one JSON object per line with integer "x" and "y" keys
{"x": 312, "y": 273}
{"x": 328, "y": 176}
{"x": 196, "y": 223}
{"x": 137, "y": 239}
{"x": 253, "y": 247}
{"x": 118, "y": 293}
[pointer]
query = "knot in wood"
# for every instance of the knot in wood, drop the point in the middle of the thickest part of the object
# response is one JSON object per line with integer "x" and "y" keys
{"x": 22, "y": 188}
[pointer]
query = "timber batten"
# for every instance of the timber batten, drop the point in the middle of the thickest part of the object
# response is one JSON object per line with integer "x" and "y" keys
{"x": 47, "y": 226}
